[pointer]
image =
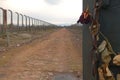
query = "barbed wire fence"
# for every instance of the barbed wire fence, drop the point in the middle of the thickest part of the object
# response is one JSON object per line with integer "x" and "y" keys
{"x": 17, "y": 28}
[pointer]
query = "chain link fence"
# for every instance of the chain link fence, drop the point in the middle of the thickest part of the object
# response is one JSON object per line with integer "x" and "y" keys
{"x": 17, "y": 29}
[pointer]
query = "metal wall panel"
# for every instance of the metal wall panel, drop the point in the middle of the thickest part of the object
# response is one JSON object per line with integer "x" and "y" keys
{"x": 110, "y": 27}
{"x": 87, "y": 45}
{"x": 110, "y": 23}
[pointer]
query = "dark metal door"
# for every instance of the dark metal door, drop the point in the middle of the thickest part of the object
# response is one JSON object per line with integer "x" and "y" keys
{"x": 110, "y": 22}
{"x": 109, "y": 19}
{"x": 87, "y": 45}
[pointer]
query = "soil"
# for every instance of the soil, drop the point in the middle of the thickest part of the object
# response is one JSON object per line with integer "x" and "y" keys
{"x": 58, "y": 53}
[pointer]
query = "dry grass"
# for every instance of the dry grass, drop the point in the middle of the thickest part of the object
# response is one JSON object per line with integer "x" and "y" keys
{"x": 22, "y": 37}
{"x": 18, "y": 38}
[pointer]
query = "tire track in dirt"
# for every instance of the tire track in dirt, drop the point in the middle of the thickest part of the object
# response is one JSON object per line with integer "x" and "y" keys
{"x": 41, "y": 60}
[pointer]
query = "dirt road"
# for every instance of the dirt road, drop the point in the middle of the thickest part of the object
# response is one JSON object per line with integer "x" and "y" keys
{"x": 44, "y": 59}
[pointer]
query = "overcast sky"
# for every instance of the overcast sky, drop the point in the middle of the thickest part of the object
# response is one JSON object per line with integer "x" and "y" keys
{"x": 53, "y": 11}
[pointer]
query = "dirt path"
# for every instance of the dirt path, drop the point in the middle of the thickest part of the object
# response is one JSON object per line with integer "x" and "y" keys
{"x": 60, "y": 52}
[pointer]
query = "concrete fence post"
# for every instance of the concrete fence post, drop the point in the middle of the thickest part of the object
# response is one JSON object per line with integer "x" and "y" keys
{"x": 32, "y": 21}
{"x": 32, "y": 24}
{"x": 11, "y": 23}
{"x": 5, "y": 26}
{"x": 29, "y": 23}
{"x": 18, "y": 20}
{"x": 26, "y": 21}
{"x": 2, "y": 27}
{"x": 22, "y": 20}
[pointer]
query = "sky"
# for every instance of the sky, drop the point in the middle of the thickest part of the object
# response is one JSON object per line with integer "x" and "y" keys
{"x": 59, "y": 12}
